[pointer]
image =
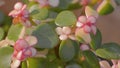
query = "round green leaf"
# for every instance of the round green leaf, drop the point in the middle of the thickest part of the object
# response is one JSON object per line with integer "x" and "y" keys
{"x": 38, "y": 13}
{"x": 105, "y": 8}
{"x": 1, "y": 33}
{"x": 5, "y": 57}
{"x": 96, "y": 40}
{"x": 67, "y": 50}
{"x": 65, "y": 18}
{"x": 109, "y": 51}
{"x": 14, "y": 32}
{"x": 47, "y": 37}
{"x": 73, "y": 65}
{"x": 91, "y": 60}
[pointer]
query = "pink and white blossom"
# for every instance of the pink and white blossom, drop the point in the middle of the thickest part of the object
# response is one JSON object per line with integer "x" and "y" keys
{"x": 65, "y": 33}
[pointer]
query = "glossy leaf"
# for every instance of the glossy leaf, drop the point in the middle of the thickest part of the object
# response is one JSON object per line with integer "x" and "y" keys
{"x": 1, "y": 33}
{"x": 2, "y": 16}
{"x": 38, "y": 13}
{"x": 14, "y": 32}
{"x": 64, "y": 4}
{"x": 96, "y": 40}
{"x": 90, "y": 61}
{"x": 24, "y": 64}
{"x": 73, "y": 65}
{"x": 65, "y": 18}
{"x": 105, "y": 8}
{"x": 47, "y": 37}
{"x": 67, "y": 50}
{"x": 5, "y": 57}
{"x": 109, "y": 51}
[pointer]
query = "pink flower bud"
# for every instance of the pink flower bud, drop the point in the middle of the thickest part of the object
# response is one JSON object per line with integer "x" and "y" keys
{"x": 66, "y": 30}
{"x": 59, "y": 31}
{"x": 63, "y": 37}
{"x": 84, "y": 47}
{"x": 18, "y": 6}
{"x": 104, "y": 64}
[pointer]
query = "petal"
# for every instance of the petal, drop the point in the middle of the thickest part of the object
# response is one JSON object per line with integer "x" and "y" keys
{"x": 79, "y": 24}
{"x": 18, "y": 6}
{"x": 26, "y": 23}
{"x": 34, "y": 51}
{"x": 104, "y": 64}
{"x": 59, "y": 30}
{"x": 63, "y": 37}
{"x": 91, "y": 19}
{"x": 20, "y": 44}
{"x": 82, "y": 19}
{"x": 118, "y": 64}
{"x": 87, "y": 29}
{"x": 20, "y": 56}
{"x": 32, "y": 40}
{"x": 94, "y": 29}
{"x": 114, "y": 61}
{"x": 72, "y": 37}
{"x": 15, "y": 64}
{"x": 66, "y": 30}
{"x": 84, "y": 47}
{"x": 85, "y": 36}
{"x": 53, "y": 3}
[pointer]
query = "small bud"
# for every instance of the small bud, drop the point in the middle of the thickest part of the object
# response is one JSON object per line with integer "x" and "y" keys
{"x": 63, "y": 37}
{"x": 84, "y": 47}
{"x": 18, "y": 6}
{"x": 104, "y": 64}
{"x": 66, "y": 30}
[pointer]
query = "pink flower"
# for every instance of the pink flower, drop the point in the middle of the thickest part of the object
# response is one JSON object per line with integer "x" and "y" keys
{"x": 65, "y": 33}
{"x": 88, "y": 24}
{"x": 23, "y": 49}
{"x": 20, "y": 14}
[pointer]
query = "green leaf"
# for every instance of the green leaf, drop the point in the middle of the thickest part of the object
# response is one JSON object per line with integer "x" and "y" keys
{"x": 24, "y": 64}
{"x": 109, "y": 51}
{"x": 65, "y": 18}
{"x": 14, "y": 32}
{"x": 73, "y": 65}
{"x": 38, "y": 13}
{"x": 1, "y": 33}
{"x": 36, "y": 63}
{"x": 96, "y": 40}
{"x": 91, "y": 60}
{"x": 47, "y": 37}
{"x": 2, "y": 16}
{"x": 64, "y": 4}
{"x": 5, "y": 57}
{"x": 67, "y": 50}
{"x": 105, "y": 8}
{"x": 25, "y": 1}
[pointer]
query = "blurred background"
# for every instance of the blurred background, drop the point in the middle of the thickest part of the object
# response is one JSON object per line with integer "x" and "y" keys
{"x": 109, "y": 25}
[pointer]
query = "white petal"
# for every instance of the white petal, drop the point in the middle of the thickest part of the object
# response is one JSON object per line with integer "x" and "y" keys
{"x": 82, "y": 19}
{"x": 91, "y": 19}
{"x": 104, "y": 64}
{"x": 84, "y": 47}
{"x": 72, "y": 37}
{"x": 66, "y": 30}
{"x": 87, "y": 29}
{"x": 53, "y": 3}
{"x": 15, "y": 63}
{"x": 63, "y": 37}
{"x": 59, "y": 30}
{"x": 32, "y": 40}
{"x": 79, "y": 24}
{"x": 19, "y": 55}
{"x": 18, "y": 6}
{"x": 94, "y": 29}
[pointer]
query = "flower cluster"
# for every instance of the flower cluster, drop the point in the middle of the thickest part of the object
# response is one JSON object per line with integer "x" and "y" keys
{"x": 20, "y": 14}
{"x": 65, "y": 33}
{"x": 23, "y": 49}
